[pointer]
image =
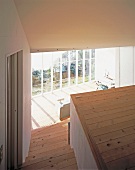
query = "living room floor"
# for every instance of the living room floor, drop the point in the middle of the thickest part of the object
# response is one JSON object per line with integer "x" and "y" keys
{"x": 44, "y": 108}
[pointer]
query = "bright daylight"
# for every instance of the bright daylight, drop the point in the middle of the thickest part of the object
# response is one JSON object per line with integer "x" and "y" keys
{"x": 56, "y": 75}
{"x": 67, "y": 85}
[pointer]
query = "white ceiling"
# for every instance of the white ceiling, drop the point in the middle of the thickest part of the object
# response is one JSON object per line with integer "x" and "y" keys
{"x": 67, "y": 24}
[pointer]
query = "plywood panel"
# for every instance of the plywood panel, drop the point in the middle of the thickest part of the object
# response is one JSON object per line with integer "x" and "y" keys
{"x": 108, "y": 120}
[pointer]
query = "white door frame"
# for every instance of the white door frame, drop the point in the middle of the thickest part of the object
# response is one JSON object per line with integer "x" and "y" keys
{"x": 14, "y": 109}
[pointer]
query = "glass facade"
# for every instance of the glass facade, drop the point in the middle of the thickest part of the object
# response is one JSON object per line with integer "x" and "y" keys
{"x": 56, "y": 70}
{"x": 87, "y": 65}
{"x": 80, "y": 66}
{"x": 36, "y": 74}
{"x": 65, "y": 66}
{"x": 46, "y": 72}
{"x": 92, "y": 64}
{"x": 72, "y": 57}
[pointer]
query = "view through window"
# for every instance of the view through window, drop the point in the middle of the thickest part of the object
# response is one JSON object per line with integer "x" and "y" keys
{"x": 57, "y": 70}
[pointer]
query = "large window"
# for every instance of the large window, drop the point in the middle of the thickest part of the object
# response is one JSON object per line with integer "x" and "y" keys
{"x": 65, "y": 66}
{"x": 72, "y": 67}
{"x": 36, "y": 73}
{"x": 80, "y": 66}
{"x": 57, "y": 70}
{"x": 92, "y": 64}
{"x": 47, "y": 65}
{"x": 87, "y": 65}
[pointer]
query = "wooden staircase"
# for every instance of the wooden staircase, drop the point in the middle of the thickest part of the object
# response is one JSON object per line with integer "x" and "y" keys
{"x": 49, "y": 149}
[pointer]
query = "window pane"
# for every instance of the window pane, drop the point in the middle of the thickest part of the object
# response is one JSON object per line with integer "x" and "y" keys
{"x": 36, "y": 82}
{"x": 92, "y": 69}
{"x": 72, "y": 55}
{"x": 47, "y": 61}
{"x": 56, "y": 70}
{"x": 72, "y": 73}
{"x": 60, "y": 65}
{"x": 92, "y": 53}
{"x": 47, "y": 80}
{"x": 65, "y": 74}
{"x": 87, "y": 54}
{"x": 80, "y": 71}
{"x": 56, "y": 76}
{"x": 80, "y": 54}
{"x": 87, "y": 65}
{"x": 65, "y": 57}
{"x": 36, "y": 61}
{"x": 56, "y": 58}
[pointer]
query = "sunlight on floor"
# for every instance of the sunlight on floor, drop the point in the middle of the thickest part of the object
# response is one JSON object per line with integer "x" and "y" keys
{"x": 44, "y": 110}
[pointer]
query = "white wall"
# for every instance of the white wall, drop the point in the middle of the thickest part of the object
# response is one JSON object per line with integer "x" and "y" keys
{"x": 79, "y": 142}
{"x": 125, "y": 66}
{"x": 104, "y": 62}
{"x": 13, "y": 39}
{"x": 119, "y": 62}
{"x": 117, "y": 66}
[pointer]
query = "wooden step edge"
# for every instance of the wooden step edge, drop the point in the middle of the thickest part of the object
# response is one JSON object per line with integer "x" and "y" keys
{"x": 52, "y": 153}
{"x": 48, "y": 127}
{"x": 43, "y": 159}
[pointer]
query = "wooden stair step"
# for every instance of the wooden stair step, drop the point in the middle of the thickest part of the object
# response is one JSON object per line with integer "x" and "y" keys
{"x": 49, "y": 136}
{"x": 49, "y": 141}
{"x": 49, "y": 162}
{"x": 50, "y": 129}
{"x": 49, "y": 149}
{"x": 54, "y": 126}
{"x": 44, "y": 146}
{"x": 69, "y": 164}
{"x": 45, "y": 149}
{"x": 53, "y": 152}
{"x": 45, "y": 133}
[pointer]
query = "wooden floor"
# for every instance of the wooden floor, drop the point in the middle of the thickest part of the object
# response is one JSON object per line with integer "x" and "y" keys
{"x": 44, "y": 112}
{"x": 108, "y": 119}
{"x": 49, "y": 149}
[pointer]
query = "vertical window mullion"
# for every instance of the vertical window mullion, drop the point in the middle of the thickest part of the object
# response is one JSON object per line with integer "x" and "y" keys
{"x": 76, "y": 67}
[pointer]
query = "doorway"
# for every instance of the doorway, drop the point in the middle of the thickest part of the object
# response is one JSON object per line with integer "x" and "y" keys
{"x": 14, "y": 102}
